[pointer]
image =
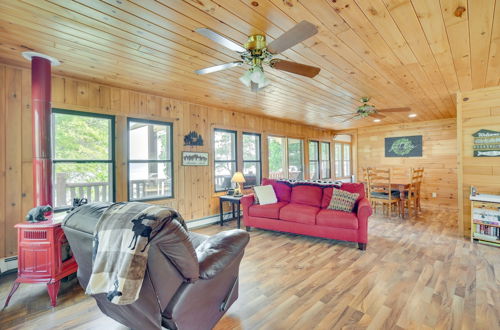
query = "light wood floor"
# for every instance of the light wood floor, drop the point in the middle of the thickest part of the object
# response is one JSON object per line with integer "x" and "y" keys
{"x": 416, "y": 273}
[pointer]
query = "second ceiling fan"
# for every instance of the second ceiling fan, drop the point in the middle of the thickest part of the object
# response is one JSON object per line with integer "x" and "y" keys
{"x": 369, "y": 110}
{"x": 256, "y": 52}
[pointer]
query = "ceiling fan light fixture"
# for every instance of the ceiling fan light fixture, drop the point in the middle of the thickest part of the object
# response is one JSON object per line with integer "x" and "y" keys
{"x": 412, "y": 115}
{"x": 264, "y": 82}
{"x": 246, "y": 78}
{"x": 257, "y": 75}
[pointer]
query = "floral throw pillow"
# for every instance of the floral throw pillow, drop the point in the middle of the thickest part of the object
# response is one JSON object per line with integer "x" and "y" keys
{"x": 342, "y": 200}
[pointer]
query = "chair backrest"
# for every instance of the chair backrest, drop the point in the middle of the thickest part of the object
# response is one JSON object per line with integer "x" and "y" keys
{"x": 169, "y": 260}
{"x": 379, "y": 181}
{"x": 364, "y": 175}
{"x": 416, "y": 178}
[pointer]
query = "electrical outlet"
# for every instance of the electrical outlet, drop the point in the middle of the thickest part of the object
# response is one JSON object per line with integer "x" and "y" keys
{"x": 434, "y": 195}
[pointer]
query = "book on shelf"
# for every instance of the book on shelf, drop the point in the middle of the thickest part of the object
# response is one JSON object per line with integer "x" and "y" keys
{"x": 486, "y": 232}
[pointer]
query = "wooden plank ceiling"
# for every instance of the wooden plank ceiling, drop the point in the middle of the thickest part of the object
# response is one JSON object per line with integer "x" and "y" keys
{"x": 401, "y": 53}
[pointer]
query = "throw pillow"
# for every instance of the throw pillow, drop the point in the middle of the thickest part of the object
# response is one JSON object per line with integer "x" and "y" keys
{"x": 265, "y": 194}
{"x": 342, "y": 200}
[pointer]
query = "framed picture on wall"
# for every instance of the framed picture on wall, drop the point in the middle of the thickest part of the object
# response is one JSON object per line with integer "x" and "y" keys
{"x": 190, "y": 158}
{"x": 403, "y": 146}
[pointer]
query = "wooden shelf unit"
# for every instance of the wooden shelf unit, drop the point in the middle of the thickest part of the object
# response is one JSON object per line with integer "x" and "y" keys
{"x": 488, "y": 205}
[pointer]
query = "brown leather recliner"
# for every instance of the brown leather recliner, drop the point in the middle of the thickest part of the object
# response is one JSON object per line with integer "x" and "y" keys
{"x": 190, "y": 282}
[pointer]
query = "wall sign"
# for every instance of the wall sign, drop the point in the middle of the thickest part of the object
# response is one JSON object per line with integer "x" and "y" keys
{"x": 486, "y": 143}
{"x": 194, "y": 158}
{"x": 193, "y": 139}
{"x": 403, "y": 146}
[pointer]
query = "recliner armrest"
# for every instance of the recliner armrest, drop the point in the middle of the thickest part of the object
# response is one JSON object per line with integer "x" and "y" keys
{"x": 219, "y": 250}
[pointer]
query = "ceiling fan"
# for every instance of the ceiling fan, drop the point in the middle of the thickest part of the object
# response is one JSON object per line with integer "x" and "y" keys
{"x": 256, "y": 52}
{"x": 369, "y": 110}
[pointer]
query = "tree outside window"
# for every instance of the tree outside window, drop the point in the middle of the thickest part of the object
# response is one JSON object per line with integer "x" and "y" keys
{"x": 225, "y": 158}
{"x": 252, "y": 165}
{"x": 83, "y": 163}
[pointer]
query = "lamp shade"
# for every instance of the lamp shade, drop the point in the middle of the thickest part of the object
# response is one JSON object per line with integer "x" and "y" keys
{"x": 238, "y": 177}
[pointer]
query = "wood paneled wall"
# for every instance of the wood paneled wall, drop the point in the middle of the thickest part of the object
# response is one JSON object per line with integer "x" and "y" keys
{"x": 439, "y": 158}
{"x": 477, "y": 109}
{"x": 194, "y": 190}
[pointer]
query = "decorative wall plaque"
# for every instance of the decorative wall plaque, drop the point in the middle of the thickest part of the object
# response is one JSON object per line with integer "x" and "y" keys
{"x": 486, "y": 143}
{"x": 194, "y": 158}
{"x": 403, "y": 146}
{"x": 193, "y": 139}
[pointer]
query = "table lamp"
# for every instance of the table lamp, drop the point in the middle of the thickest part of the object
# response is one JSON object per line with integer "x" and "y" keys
{"x": 239, "y": 179}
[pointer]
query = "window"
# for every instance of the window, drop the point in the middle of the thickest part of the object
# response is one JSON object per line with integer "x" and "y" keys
{"x": 342, "y": 160}
{"x": 347, "y": 160}
{"x": 314, "y": 160}
{"x": 83, "y": 157}
{"x": 295, "y": 159}
{"x": 225, "y": 158}
{"x": 150, "y": 174}
{"x": 277, "y": 157}
{"x": 338, "y": 160}
{"x": 325, "y": 160}
{"x": 252, "y": 164}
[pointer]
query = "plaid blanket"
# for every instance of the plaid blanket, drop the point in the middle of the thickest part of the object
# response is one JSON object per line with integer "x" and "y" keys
{"x": 120, "y": 252}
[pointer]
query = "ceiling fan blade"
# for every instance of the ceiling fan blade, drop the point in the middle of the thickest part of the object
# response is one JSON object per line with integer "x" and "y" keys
{"x": 345, "y": 114}
{"x": 351, "y": 118}
{"x": 293, "y": 67}
{"x": 219, "y": 67}
{"x": 377, "y": 115}
{"x": 290, "y": 38}
{"x": 214, "y": 36}
{"x": 394, "y": 110}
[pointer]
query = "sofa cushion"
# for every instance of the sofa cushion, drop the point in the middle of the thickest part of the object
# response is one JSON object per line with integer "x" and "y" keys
{"x": 266, "y": 211}
{"x": 342, "y": 200}
{"x": 282, "y": 190}
{"x": 338, "y": 219}
{"x": 265, "y": 195}
{"x": 299, "y": 213}
{"x": 357, "y": 188}
{"x": 307, "y": 194}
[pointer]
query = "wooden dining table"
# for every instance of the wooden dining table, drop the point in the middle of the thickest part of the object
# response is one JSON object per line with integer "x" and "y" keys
{"x": 401, "y": 185}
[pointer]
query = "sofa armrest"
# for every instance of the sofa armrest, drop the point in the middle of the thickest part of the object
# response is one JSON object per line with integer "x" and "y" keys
{"x": 247, "y": 200}
{"x": 219, "y": 250}
{"x": 363, "y": 212}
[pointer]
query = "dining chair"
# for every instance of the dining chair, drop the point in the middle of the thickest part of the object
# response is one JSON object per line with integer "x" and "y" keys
{"x": 364, "y": 172}
{"x": 379, "y": 190}
{"x": 409, "y": 202}
{"x": 419, "y": 174}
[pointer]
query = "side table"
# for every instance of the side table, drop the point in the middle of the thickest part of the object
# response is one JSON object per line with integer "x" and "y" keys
{"x": 234, "y": 200}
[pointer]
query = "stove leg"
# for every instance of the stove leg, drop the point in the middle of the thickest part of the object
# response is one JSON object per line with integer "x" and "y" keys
{"x": 12, "y": 291}
{"x": 53, "y": 288}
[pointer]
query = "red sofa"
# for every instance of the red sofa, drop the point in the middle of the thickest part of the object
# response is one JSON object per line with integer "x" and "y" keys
{"x": 302, "y": 209}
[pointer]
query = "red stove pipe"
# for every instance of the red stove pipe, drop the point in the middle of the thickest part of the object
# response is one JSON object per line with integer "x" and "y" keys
{"x": 41, "y": 114}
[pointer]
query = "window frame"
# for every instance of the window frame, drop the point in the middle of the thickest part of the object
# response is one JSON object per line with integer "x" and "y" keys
{"x": 329, "y": 175}
{"x": 302, "y": 156}
{"x": 317, "y": 161}
{"x": 171, "y": 161}
{"x": 235, "y": 161}
{"x": 285, "y": 156}
{"x": 252, "y": 161}
{"x": 342, "y": 160}
{"x": 111, "y": 141}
